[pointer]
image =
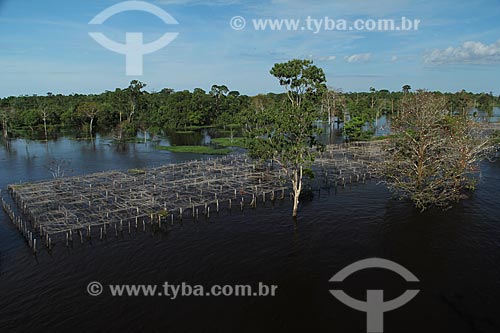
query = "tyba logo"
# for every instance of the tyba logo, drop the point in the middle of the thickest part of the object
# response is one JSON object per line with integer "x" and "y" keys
{"x": 134, "y": 47}
{"x": 375, "y": 307}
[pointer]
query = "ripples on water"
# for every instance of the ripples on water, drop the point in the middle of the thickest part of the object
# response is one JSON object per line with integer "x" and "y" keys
{"x": 455, "y": 254}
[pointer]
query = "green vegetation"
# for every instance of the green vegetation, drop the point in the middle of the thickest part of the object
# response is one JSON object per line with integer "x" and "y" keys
{"x": 380, "y": 138}
{"x": 230, "y": 142}
{"x": 433, "y": 150}
{"x": 195, "y": 149}
{"x": 184, "y": 132}
{"x": 284, "y": 132}
{"x": 353, "y": 130}
{"x": 136, "y": 171}
{"x": 125, "y": 112}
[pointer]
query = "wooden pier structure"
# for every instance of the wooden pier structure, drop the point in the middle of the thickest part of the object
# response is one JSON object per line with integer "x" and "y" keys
{"x": 116, "y": 201}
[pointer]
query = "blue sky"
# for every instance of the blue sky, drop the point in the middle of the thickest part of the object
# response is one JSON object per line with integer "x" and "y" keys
{"x": 45, "y": 45}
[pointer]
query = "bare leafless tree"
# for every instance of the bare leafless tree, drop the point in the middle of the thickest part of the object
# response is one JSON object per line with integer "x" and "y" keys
{"x": 44, "y": 112}
{"x": 331, "y": 103}
{"x": 5, "y": 114}
{"x": 433, "y": 158}
{"x": 90, "y": 110}
{"x": 59, "y": 168}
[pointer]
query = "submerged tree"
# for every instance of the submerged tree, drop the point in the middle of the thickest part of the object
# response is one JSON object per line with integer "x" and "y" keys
{"x": 45, "y": 113}
{"x": 5, "y": 115}
{"x": 433, "y": 157}
{"x": 286, "y": 134}
{"x": 58, "y": 167}
{"x": 353, "y": 129}
{"x": 331, "y": 104}
{"x": 90, "y": 111}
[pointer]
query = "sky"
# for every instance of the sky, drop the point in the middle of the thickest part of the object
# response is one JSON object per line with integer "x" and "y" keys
{"x": 45, "y": 46}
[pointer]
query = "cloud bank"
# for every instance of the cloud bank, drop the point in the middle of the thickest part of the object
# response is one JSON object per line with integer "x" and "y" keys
{"x": 361, "y": 57}
{"x": 468, "y": 53}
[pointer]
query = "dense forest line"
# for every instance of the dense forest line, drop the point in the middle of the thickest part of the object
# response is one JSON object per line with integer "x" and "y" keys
{"x": 125, "y": 112}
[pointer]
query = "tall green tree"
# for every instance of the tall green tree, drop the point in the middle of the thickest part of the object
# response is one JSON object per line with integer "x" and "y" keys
{"x": 218, "y": 92}
{"x": 135, "y": 92}
{"x": 286, "y": 134}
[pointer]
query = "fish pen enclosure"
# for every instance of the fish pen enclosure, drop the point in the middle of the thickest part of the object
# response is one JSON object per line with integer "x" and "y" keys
{"x": 114, "y": 202}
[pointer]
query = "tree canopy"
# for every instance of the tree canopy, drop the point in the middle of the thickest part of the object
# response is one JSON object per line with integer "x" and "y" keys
{"x": 284, "y": 132}
{"x": 432, "y": 156}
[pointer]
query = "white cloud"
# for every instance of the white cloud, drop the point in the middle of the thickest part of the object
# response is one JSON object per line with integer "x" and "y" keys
{"x": 328, "y": 58}
{"x": 394, "y": 58}
{"x": 323, "y": 58}
{"x": 468, "y": 53}
{"x": 361, "y": 57}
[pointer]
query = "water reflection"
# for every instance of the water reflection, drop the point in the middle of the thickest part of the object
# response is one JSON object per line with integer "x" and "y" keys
{"x": 486, "y": 117}
{"x": 382, "y": 126}
{"x": 452, "y": 253}
{"x": 187, "y": 138}
{"x": 331, "y": 133}
{"x": 27, "y": 160}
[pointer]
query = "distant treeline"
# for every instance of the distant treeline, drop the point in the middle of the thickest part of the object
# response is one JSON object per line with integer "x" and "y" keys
{"x": 124, "y": 112}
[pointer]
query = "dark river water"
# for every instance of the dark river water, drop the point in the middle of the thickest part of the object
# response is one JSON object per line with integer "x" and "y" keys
{"x": 455, "y": 255}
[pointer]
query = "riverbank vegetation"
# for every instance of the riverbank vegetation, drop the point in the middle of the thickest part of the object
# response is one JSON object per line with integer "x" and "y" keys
{"x": 195, "y": 150}
{"x": 230, "y": 142}
{"x": 125, "y": 112}
{"x": 433, "y": 145}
